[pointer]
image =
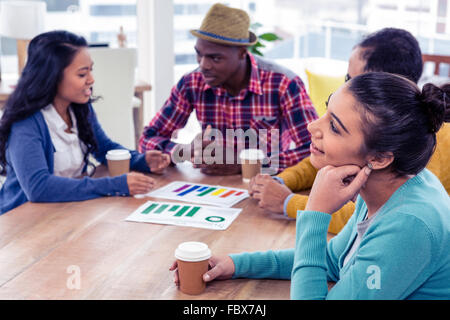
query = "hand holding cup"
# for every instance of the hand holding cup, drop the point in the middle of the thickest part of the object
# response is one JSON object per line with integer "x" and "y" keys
{"x": 191, "y": 264}
{"x": 220, "y": 268}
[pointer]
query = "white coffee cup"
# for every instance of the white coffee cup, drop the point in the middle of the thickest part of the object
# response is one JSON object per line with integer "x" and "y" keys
{"x": 118, "y": 162}
{"x": 192, "y": 259}
{"x": 251, "y": 160}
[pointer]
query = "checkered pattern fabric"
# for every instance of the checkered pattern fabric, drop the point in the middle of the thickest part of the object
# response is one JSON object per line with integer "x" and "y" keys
{"x": 275, "y": 99}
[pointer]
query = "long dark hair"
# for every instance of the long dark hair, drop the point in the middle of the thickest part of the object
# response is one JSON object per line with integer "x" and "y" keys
{"x": 400, "y": 118}
{"x": 48, "y": 55}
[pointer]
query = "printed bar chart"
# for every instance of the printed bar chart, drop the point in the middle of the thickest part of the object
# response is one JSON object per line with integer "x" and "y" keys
{"x": 193, "y": 212}
{"x": 149, "y": 208}
{"x": 187, "y": 211}
{"x": 185, "y": 215}
{"x": 182, "y": 188}
{"x": 174, "y": 208}
{"x": 204, "y": 193}
{"x": 188, "y": 191}
{"x": 229, "y": 193}
{"x": 216, "y": 193}
{"x": 182, "y": 211}
{"x": 221, "y": 196}
{"x": 161, "y": 209}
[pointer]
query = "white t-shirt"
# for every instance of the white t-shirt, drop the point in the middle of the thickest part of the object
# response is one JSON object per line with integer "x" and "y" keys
{"x": 69, "y": 150}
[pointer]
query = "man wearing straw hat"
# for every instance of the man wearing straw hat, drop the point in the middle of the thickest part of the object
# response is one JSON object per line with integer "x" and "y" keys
{"x": 232, "y": 89}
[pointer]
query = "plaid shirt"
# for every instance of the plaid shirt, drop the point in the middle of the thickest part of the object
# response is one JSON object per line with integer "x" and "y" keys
{"x": 274, "y": 99}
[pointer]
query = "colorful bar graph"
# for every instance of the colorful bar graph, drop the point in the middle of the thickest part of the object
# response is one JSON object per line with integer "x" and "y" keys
{"x": 229, "y": 193}
{"x": 193, "y": 212}
{"x": 204, "y": 193}
{"x": 182, "y": 211}
{"x": 182, "y": 188}
{"x": 161, "y": 209}
{"x": 216, "y": 193}
{"x": 149, "y": 208}
{"x": 197, "y": 193}
{"x": 188, "y": 191}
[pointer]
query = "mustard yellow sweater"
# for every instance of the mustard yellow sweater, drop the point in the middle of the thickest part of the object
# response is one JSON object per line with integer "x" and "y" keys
{"x": 302, "y": 175}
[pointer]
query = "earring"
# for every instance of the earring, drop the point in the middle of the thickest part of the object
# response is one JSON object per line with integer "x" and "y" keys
{"x": 370, "y": 166}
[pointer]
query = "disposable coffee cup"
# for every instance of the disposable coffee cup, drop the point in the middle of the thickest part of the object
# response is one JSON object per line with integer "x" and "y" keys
{"x": 192, "y": 259}
{"x": 118, "y": 162}
{"x": 251, "y": 161}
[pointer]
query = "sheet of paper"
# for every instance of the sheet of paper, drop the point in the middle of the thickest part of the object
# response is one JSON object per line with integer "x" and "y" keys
{"x": 188, "y": 215}
{"x": 200, "y": 193}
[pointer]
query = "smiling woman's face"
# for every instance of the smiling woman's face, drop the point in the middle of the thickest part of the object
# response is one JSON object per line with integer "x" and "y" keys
{"x": 337, "y": 137}
{"x": 76, "y": 85}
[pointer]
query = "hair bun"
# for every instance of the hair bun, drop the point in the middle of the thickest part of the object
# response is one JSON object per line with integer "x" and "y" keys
{"x": 434, "y": 101}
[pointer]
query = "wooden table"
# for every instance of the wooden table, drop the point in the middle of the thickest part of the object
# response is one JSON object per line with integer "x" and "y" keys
{"x": 44, "y": 246}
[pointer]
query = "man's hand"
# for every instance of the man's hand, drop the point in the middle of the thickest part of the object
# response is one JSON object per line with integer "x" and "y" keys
{"x": 157, "y": 161}
{"x": 269, "y": 193}
{"x": 214, "y": 157}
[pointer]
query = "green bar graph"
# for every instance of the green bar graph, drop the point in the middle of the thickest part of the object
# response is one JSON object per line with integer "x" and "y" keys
{"x": 206, "y": 192}
{"x": 182, "y": 211}
{"x": 157, "y": 208}
{"x": 193, "y": 212}
{"x": 161, "y": 209}
{"x": 149, "y": 208}
{"x": 174, "y": 208}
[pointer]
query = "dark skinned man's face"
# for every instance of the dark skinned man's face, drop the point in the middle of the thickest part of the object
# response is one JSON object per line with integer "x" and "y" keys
{"x": 219, "y": 64}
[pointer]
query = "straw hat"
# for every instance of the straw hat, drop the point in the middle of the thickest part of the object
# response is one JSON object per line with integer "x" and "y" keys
{"x": 225, "y": 25}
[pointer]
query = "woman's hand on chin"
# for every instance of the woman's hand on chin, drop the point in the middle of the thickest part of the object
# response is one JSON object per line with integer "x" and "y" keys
{"x": 335, "y": 186}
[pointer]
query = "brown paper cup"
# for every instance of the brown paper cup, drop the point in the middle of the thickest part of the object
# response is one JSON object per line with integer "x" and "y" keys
{"x": 250, "y": 170}
{"x": 192, "y": 259}
{"x": 191, "y": 276}
{"x": 251, "y": 161}
{"x": 118, "y": 167}
{"x": 118, "y": 162}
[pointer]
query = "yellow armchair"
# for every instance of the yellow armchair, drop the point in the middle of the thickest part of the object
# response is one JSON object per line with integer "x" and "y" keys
{"x": 320, "y": 88}
{"x": 324, "y": 76}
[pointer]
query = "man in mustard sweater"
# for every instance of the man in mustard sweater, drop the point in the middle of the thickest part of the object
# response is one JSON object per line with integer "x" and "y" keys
{"x": 389, "y": 50}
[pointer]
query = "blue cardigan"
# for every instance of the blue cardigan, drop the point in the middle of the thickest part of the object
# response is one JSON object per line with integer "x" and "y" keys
{"x": 404, "y": 253}
{"x": 30, "y": 175}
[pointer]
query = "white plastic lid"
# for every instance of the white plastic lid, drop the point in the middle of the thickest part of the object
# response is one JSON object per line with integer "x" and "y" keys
{"x": 118, "y": 154}
{"x": 192, "y": 251}
{"x": 251, "y": 154}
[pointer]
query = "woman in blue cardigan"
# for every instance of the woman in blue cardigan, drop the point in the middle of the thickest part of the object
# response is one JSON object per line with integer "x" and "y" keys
{"x": 374, "y": 142}
{"x": 49, "y": 129}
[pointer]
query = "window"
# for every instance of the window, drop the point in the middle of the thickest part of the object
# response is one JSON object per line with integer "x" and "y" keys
{"x": 320, "y": 28}
{"x": 96, "y": 20}
{"x": 112, "y": 10}
{"x": 442, "y": 8}
{"x": 61, "y": 5}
